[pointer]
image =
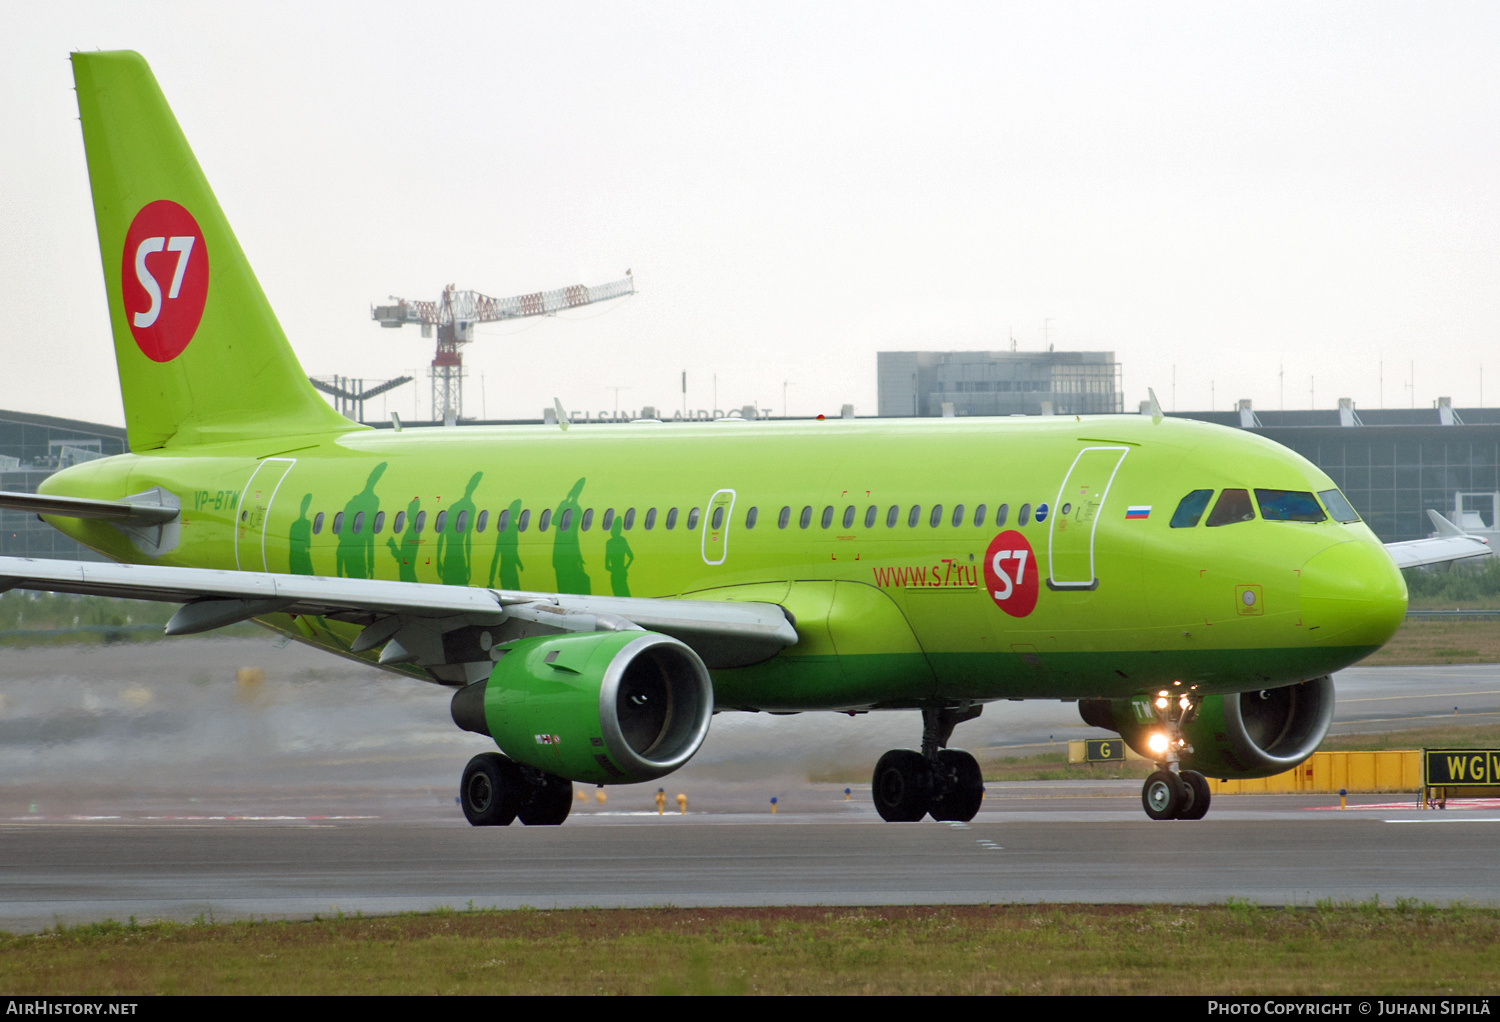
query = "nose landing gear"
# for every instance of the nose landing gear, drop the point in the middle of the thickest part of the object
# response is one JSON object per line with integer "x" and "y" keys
{"x": 938, "y": 781}
{"x": 1171, "y": 793}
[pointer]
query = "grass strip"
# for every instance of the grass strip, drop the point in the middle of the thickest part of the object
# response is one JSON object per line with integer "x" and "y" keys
{"x": 1237, "y": 948}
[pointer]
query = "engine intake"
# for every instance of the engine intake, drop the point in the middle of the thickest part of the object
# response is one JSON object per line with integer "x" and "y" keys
{"x": 1245, "y": 734}
{"x": 600, "y": 707}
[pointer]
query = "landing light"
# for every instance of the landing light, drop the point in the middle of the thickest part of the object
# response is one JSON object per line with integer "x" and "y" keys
{"x": 1161, "y": 701}
{"x": 1157, "y": 743}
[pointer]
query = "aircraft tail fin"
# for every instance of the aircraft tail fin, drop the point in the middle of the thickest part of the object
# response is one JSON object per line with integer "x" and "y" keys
{"x": 200, "y": 354}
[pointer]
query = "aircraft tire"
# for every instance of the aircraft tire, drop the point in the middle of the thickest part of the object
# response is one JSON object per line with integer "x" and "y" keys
{"x": 490, "y": 792}
{"x": 1201, "y": 796}
{"x": 547, "y": 801}
{"x": 1161, "y": 795}
{"x": 959, "y": 788}
{"x": 902, "y": 786}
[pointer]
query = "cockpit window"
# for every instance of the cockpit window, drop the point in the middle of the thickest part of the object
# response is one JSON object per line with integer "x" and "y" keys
{"x": 1338, "y": 506}
{"x": 1289, "y": 506}
{"x": 1191, "y": 509}
{"x": 1232, "y": 506}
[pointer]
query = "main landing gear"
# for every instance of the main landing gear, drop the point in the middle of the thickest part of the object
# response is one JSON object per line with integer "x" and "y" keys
{"x": 1171, "y": 793}
{"x": 941, "y": 782}
{"x": 497, "y": 790}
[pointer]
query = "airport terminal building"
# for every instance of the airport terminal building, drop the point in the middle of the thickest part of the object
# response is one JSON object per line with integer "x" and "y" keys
{"x": 32, "y": 447}
{"x": 1395, "y": 463}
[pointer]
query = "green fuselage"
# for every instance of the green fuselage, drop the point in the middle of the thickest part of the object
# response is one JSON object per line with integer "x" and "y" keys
{"x": 886, "y": 615}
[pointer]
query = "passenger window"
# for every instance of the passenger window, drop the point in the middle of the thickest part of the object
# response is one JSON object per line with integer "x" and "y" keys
{"x": 671, "y": 518}
{"x": 1289, "y": 506}
{"x": 692, "y": 522}
{"x": 914, "y": 516}
{"x": 717, "y": 522}
{"x": 1190, "y": 509}
{"x": 892, "y": 515}
{"x": 750, "y": 517}
{"x": 544, "y": 519}
{"x": 783, "y": 519}
{"x": 524, "y": 519}
{"x": 359, "y": 522}
{"x": 338, "y": 523}
{"x": 484, "y": 519}
{"x": 421, "y": 520}
{"x": 979, "y": 514}
{"x": 805, "y": 519}
{"x": 462, "y": 522}
{"x": 398, "y": 526}
{"x": 317, "y": 523}
{"x": 650, "y": 522}
{"x": 438, "y": 523}
{"x": 501, "y": 520}
{"x": 564, "y": 520}
{"x": 1001, "y": 514}
{"x": 588, "y": 520}
{"x": 1024, "y": 515}
{"x": 935, "y": 519}
{"x": 379, "y": 523}
{"x": 1232, "y": 506}
{"x": 849, "y": 517}
{"x": 604, "y": 523}
{"x": 958, "y": 516}
{"x": 629, "y": 518}
{"x": 827, "y": 517}
{"x": 1338, "y": 506}
{"x": 870, "y": 513}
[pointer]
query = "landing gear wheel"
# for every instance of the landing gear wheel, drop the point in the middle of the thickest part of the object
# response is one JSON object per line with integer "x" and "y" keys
{"x": 1161, "y": 795}
{"x": 490, "y": 791}
{"x": 958, "y": 789}
{"x": 547, "y": 801}
{"x": 902, "y": 786}
{"x": 1199, "y": 785}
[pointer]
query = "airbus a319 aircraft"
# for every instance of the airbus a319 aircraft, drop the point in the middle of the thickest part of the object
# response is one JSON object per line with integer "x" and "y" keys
{"x": 595, "y": 595}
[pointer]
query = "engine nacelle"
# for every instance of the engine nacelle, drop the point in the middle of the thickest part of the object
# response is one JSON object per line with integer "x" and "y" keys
{"x": 597, "y": 707}
{"x": 1247, "y": 734}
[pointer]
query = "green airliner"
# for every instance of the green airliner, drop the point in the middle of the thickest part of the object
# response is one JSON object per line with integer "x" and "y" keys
{"x": 594, "y": 595}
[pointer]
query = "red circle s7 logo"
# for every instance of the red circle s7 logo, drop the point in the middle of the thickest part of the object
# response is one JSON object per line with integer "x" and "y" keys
{"x": 164, "y": 279}
{"x": 1010, "y": 573}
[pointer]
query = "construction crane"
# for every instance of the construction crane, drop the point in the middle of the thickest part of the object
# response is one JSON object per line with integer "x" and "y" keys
{"x": 455, "y": 314}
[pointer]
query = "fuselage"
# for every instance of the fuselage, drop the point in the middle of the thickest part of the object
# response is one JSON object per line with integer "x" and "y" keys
{"x": 884, "y": 539}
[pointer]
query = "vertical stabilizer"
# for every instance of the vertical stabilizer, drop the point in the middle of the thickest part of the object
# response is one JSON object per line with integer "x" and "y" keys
{"x": 200, "y": 354}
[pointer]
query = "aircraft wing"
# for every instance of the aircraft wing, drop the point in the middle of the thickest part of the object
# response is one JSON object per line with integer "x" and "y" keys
{"x": 1450, "y": 544}
{"x": 413, "y": 620}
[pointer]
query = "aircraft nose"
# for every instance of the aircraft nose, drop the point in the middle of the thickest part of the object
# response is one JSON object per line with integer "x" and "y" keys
{"x": 1352, "y": 595}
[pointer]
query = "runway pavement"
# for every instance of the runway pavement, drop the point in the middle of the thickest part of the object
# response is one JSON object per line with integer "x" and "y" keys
{"x": 161, "y": 782}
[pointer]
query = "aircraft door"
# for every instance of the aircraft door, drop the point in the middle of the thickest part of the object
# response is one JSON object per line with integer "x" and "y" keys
{"x": 716, "y": 527}
{"x": 1075, "y": 517}
{"x": 254, "y": 513}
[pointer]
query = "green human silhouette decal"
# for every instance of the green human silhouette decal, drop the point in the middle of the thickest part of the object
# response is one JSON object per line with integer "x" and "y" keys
{"x": 507, "y": 557}
{"x": 454, "y": 546}
{"x": 355, "y": 557}
{"x": 567, "y": 557}
{"x": 299, "y": 542}
{"x": 407, "y": 551}
{"x": 618, "y": 558}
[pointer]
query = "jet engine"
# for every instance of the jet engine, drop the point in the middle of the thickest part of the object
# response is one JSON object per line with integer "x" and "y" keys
{"x": 1245, "y": 734}
{"x": 598, "y": 707}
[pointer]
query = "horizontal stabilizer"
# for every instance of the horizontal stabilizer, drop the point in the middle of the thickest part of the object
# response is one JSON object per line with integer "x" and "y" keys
{"x": 132, "y": 512}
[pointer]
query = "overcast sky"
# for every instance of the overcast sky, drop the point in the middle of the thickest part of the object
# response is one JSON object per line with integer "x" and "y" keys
{"x": 1224, "y": 188}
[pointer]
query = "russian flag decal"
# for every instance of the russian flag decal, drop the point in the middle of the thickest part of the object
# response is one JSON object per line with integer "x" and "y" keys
{"x": 1138, "y": 511}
